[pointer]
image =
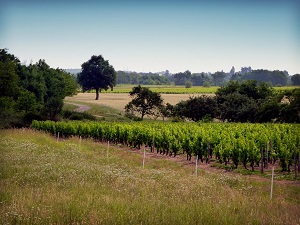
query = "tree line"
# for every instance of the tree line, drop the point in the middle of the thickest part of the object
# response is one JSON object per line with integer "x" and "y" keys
{"x": 219, "y": 78}
{"x": 245, "y": 101}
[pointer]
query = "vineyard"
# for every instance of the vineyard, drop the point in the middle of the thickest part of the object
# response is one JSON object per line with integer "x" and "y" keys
{"x": 247, "y": 145}
{"x": 171, "y": 89}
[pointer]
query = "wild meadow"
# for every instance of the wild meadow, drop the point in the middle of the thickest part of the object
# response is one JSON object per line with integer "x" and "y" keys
{"x": 80, "y": 181}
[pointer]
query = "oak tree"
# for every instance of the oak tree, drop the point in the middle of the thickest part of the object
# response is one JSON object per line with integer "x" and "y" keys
{"x": 97, "y": 74}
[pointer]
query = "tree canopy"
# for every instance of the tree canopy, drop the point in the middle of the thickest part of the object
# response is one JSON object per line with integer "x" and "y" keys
{"x": 296, "y": 79}
{"x": 144, "y": 102}
{"x": 244, "y": 101}
{"x": 31, "y": 92}
{"x": 97, "y": 74}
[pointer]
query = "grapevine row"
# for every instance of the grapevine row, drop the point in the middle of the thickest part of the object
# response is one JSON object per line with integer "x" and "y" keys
{"x": 237, "y": 144}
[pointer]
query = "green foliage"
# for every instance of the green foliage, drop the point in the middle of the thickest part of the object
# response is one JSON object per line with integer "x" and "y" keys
{"x": 141, "y": 78}
{"x": 97, "y": 74}
{"x": 188, "y": 84}
{"x": 53, "y": 107}
{"x": 290, "y": 112}
{"x": 71, "y": 115}
{"x": 218, "y": 78}
{"x": 26, "y": 102}
{"x": 144, "y": 102}
{"x": 276, "y": 77}
{"x": 196, "y": 108}
{"x": 228, "y": 143}
{"x": 35, "y": 91}
{"x": 182, "y": 78}
{"x": 8, "y": 79}
{"x": 295, "y": 79}
{"x": 243, "y": 102}
{"x": 8, "y": 116}
{"x": 206, "y": 84}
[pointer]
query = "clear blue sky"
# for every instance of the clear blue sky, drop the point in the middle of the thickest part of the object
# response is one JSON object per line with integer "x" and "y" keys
{"x": 200, "y": 36}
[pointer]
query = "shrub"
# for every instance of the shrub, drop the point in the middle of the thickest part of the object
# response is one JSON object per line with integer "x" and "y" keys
{"x": 188, "y": 84}
{"x": 206, "y": 84}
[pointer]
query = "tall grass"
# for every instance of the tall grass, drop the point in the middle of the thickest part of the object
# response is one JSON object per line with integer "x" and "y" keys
{"x": 71, "y": 182}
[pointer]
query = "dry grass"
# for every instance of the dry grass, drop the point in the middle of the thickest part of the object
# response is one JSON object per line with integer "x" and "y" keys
{"x": 119, "y": 100}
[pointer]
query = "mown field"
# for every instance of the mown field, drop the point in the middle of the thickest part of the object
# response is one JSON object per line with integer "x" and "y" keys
{"x": 117, "y": 101}
{"x": 43, "y": 181}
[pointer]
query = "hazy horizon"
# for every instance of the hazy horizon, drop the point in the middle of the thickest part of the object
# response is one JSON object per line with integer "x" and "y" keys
{"x": 153, "y": 36}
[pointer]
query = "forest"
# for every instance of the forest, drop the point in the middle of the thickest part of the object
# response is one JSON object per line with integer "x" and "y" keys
{"x": 34, "y": 91}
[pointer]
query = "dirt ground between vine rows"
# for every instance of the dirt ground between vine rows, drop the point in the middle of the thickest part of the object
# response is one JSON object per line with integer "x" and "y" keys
{"x": 181, "y": 159}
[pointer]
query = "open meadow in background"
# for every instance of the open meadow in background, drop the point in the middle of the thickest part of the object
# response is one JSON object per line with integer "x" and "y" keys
{"x": 179, "y": 89}
{"x": 80, "y": 181}
{"x": 118, "y": 101}
{"x": 114, "y": 102}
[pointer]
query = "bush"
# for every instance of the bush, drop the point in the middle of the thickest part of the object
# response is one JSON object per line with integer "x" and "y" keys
{"x": 188, "y": 84}
{"x": 133, "y": 117}
{"x": 206, "y": 84}
{"x": 71, "y": 115}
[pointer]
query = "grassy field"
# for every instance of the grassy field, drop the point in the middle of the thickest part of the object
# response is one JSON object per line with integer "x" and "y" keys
{"x": 71, "y": 182}
{"x": 169, "y": 89}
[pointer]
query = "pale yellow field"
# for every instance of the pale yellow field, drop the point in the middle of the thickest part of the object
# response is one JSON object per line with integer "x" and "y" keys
{"x": 119, "y": 100}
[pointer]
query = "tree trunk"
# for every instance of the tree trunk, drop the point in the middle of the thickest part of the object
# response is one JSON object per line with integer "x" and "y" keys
{"x": 208, "y": 153}
{"x": 97, "y": 94}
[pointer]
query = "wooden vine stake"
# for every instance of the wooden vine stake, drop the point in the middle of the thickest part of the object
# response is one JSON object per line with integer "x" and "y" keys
{"x": 152, "y": 148}
{"x": 272, "y": 181}
{"x": 107, "y": 149}
{"x": 144, "y": 157}
{"x": 80, "y": 142}
{"x": 299, "y": 163}
{"x": 295, "y": 163}
{"x": 57, "y": 139}
{"x": 267, "y": 156}
{"x": 196, "y": 170}
{"x": 262, "y": 160}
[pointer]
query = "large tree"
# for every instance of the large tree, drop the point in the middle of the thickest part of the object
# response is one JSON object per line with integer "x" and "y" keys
{"x": 296, "y": 79}
{"x": 144, "y": 102}
{"x": 196, "y": 108}
{"x": 218, "y": 77}
{"x": 97, "y": 74}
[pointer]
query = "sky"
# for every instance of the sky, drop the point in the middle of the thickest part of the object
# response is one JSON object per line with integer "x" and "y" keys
{"x": 144, "y": 36}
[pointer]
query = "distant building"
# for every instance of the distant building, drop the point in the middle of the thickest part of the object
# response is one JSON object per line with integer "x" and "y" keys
{"x": 232, "y": 71}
